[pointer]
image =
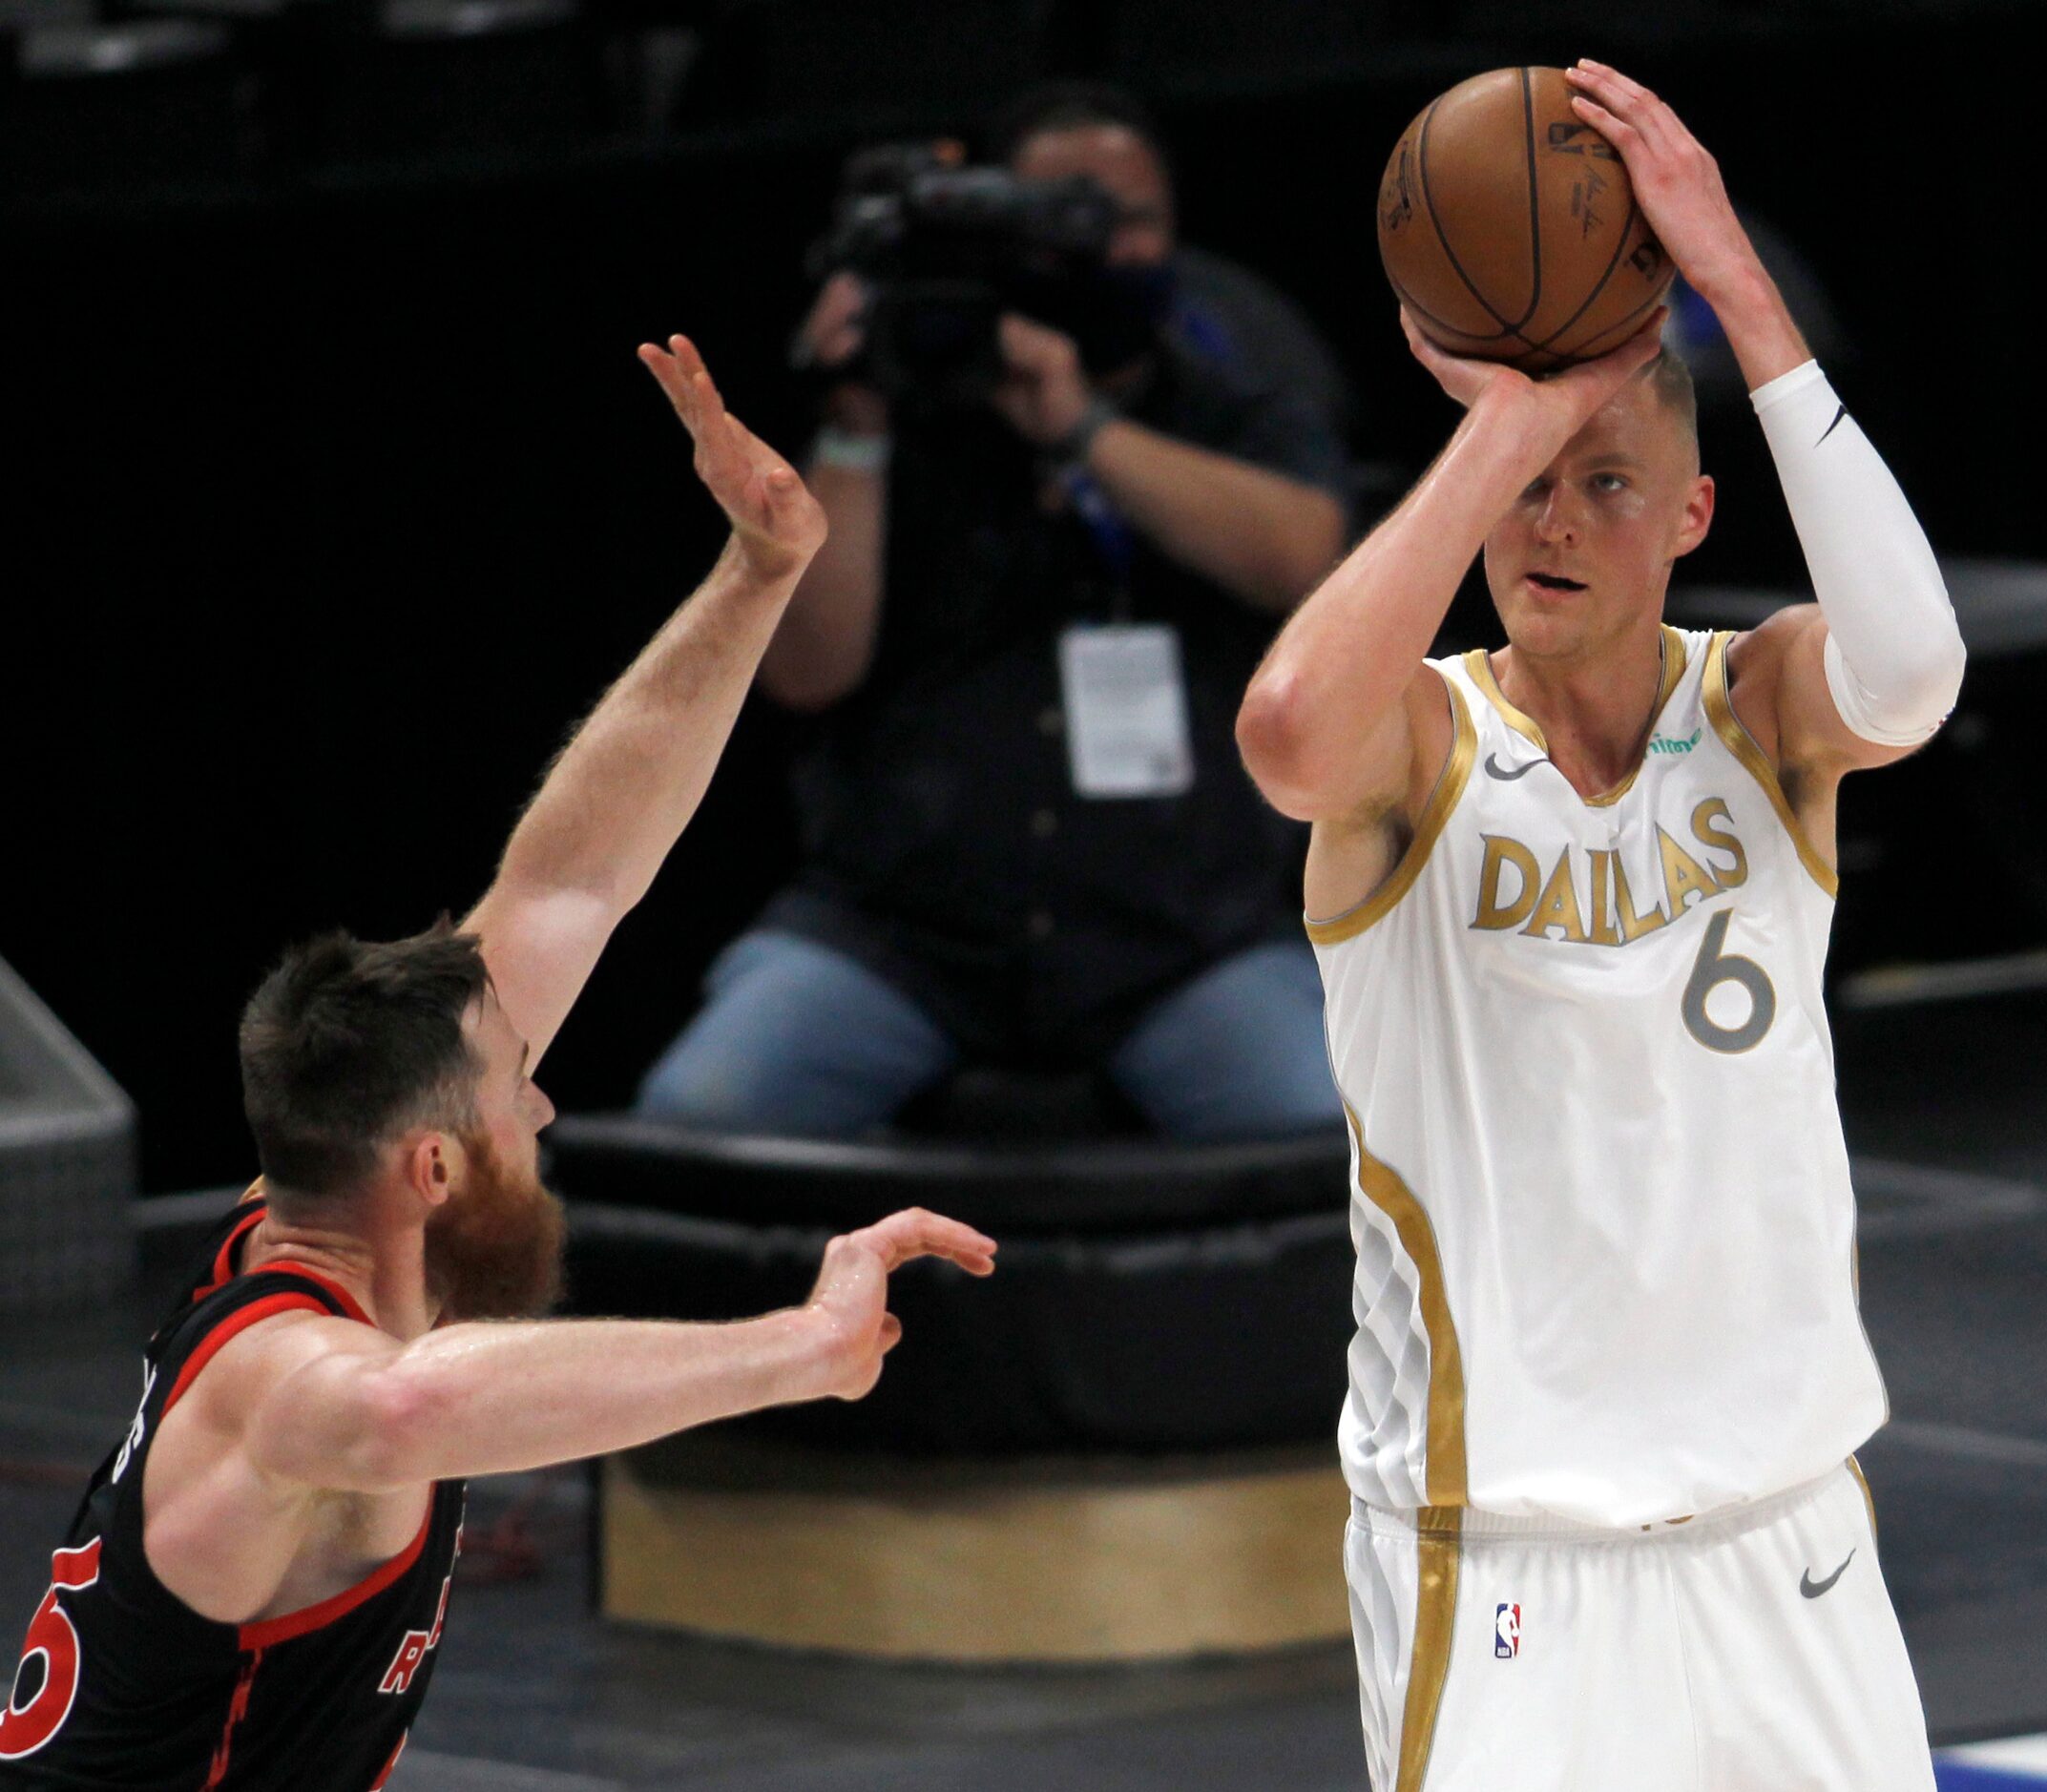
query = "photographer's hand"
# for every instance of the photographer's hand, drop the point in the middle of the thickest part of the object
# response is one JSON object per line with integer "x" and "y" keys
{"x": 826, "y": 644}
{"x": 831, "y": 336}
{"x": 1044, "y": 394}
{"x": 1261, "y": 536}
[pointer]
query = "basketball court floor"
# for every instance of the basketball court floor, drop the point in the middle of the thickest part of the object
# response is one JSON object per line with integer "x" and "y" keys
{"x": 1946, "y": 1103}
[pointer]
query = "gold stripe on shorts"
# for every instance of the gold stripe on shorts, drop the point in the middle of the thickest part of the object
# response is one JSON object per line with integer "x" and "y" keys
{"x": 1438, "y": 1529}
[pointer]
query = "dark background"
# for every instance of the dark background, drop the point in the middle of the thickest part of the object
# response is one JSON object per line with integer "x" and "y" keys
{"x": 337, "y": 494}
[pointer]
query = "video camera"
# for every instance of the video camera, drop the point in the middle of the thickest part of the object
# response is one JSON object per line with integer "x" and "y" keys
{"x": 946, "y": 249}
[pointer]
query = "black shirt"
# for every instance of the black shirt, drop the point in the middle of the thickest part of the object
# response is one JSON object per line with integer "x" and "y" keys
{"x": 944, "y": 843}
{"x": 123, "y": 1684}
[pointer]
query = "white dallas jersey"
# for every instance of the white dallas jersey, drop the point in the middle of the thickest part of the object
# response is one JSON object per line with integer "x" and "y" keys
{"x": 1600, "y": 1197}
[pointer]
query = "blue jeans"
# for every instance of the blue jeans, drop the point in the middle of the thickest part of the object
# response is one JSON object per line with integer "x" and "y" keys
{"x": 799, "y": 1040}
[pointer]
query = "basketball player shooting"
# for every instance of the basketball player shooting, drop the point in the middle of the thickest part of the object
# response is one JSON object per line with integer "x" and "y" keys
{"x": 253, "y": 1591}
{"x": 1570, "y": 900}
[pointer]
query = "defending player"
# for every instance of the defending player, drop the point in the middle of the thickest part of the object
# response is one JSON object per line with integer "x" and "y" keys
{"x": 1571, "y": 900}
{"x": 253, "y": 1591}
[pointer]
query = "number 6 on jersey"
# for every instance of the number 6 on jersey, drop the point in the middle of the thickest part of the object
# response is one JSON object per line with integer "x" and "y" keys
{"x": 1710, "y": 969}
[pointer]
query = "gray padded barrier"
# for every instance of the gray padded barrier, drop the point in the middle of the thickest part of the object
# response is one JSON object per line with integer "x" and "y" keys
{"x": 67, "y": 1164}
{"x": 2000, "y": 605}
{"x": 1152, "y": 1298}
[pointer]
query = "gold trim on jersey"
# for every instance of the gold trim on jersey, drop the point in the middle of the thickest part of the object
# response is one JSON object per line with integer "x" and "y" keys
{"x": 1733, "y": 732}
{"x": 1442, "y": 1472}
{"x": 1449, "y": 786}
{"x": 1868, "y": 1499}
{"x": 1437, "y": 1537}
{"x": 1478, "y": 664}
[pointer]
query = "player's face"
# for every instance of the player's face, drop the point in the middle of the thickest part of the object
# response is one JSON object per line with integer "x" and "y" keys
{"x": 495, "y": 1246}
{"x": 1584, "y": 553}
{"x": 509, "y": 1104}
{"x": 1123, "y": 163}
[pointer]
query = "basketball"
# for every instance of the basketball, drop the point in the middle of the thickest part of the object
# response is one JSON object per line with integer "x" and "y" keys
{"x": 1509, "y": 228}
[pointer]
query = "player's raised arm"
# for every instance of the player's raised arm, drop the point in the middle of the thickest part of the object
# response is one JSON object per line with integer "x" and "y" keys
{"x": 326, "y": 1404}
{"x": 1872, "y": 672}
{"x": 621, "y": 792}
{"x": 1328, "y": 727}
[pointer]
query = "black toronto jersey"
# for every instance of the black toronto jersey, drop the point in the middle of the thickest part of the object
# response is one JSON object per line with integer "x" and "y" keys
{"x": 122, "y": 1686}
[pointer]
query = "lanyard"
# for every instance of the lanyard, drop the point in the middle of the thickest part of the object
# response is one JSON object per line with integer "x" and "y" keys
{"x": 1115, "y": 544}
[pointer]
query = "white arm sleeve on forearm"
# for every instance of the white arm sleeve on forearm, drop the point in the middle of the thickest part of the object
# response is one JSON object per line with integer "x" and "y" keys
{"x": 1894, "y": 651}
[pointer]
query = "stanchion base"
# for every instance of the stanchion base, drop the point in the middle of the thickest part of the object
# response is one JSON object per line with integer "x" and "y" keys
{"x": 1047, "y": 1561}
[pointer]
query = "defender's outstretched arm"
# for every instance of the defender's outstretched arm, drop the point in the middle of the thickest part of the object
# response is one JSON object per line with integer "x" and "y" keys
{"x": 328, "y": 1404}
{"x": 616, "y": 801}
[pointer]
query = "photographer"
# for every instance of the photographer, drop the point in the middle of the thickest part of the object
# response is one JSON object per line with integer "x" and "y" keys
{"x": 1028, "y": 836}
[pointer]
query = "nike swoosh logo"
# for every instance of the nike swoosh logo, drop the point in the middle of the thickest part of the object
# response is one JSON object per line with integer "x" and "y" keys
{"x": 1495, "y": 769}
{"x": 1833, "y": 425}
{"x": 1812, "y": 1589}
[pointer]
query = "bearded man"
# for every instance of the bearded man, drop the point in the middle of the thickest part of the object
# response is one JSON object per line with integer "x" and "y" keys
{"x": 253, "y": 1591}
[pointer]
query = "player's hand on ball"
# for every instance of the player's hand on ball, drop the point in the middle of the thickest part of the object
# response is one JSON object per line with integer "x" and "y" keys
{"x": 1676, "y": 182}
{"x": 1465, "y": 380}
{"x": 1557, "y": 403}
{"x": 776, "y": 523}
{"x": 852, "y": 1295}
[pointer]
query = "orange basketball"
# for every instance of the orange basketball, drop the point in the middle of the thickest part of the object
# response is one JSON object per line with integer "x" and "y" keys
{"x": 1509, "y": 227}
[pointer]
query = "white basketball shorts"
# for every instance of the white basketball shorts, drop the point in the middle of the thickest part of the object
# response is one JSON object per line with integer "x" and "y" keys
{"x": 1748, "y": 1651}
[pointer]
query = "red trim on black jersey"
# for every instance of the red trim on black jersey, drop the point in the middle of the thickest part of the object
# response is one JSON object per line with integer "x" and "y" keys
{"x": 239, "y": 1320}
{"x": 225, "y": 1268}
{"x": 269, "y": 1632}
{"x": 223, "y": 1262}
{"x": 390, "y": 1766}
{"x": 237, "y": 1708}
{"x": 349, "y": 1303}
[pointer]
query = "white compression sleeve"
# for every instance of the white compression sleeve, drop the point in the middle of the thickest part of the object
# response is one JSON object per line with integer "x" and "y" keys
{"x": 1894, "y": 651}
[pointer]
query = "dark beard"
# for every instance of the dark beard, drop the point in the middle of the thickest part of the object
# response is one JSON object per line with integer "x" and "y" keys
{"x": 494, "y": 1246}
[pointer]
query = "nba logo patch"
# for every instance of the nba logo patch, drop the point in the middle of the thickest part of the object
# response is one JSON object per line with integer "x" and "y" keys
{"x": 1507, "y": 1631}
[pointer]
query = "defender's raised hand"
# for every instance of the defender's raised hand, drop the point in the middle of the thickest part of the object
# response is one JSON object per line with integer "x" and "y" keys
{"x": 776, "y": 522}
{"x": 852, "y": 1287}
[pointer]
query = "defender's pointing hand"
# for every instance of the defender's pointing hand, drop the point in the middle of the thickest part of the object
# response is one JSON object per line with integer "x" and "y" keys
{"x": 776, "y": 522}
{"x": 852, "y": 1288}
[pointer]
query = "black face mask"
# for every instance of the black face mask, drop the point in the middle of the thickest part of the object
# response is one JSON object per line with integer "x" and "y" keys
{"x": 1113, "y": 314}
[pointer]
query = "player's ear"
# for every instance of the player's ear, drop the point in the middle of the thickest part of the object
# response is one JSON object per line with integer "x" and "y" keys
{"x": 1696, "y": 517}
{"x": 433, "y": 1164}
